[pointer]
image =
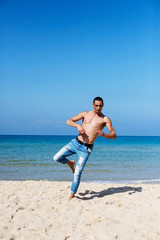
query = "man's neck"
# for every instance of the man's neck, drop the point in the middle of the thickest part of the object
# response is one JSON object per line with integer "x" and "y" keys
{"x": 98, "y": 114}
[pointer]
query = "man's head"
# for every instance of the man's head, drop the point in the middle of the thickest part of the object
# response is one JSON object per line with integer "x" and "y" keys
{"x": 98, "y": 104}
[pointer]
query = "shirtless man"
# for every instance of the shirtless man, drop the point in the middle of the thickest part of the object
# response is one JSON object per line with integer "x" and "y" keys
{"x": 93, "y": 123}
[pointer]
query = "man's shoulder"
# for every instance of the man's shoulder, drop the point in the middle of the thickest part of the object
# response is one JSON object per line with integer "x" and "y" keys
{"x": 84, "y": 113}
{"x": 107, "y": 119}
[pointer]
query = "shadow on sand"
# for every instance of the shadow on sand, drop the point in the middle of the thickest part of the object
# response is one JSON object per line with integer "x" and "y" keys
{"x": 109, "y": 191}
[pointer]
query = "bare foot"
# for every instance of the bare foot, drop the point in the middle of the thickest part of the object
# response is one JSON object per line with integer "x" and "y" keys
{"x": 71, "y": 164}
{"x": 70, "y": 197}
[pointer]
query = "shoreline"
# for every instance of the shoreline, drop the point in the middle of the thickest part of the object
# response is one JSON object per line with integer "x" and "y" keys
{"x": 146, "y": 181}
{"x": 40, "y": 210}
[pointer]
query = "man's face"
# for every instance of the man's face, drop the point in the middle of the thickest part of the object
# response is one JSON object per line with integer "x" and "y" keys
{"x": 98, "y": 105}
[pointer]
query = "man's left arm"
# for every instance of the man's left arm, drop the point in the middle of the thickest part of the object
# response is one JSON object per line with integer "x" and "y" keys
{"x": 112, "y": 134}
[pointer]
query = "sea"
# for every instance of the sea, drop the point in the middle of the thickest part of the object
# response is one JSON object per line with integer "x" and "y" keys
{"x": 125, "y": 159}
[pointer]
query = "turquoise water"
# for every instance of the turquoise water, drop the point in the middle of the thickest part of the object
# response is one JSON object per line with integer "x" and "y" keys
{"x": 126, "y": 159}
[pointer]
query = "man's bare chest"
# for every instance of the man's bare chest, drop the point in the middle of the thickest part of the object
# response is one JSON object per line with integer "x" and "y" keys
{"x": 94, "y": 121}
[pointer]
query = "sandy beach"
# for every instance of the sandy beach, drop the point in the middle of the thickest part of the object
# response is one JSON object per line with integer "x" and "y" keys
{"x": 39, "y": 210}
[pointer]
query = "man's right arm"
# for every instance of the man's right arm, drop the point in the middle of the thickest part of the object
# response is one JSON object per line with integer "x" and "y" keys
{"x": 72, "y": 122}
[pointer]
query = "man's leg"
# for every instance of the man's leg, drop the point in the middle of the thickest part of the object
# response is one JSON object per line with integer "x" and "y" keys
{"x": 71, "y": 164}
{"x": 82, "y": 160}
{"x": 61, "y": 157}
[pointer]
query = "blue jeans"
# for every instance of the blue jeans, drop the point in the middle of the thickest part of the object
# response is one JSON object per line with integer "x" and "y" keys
{"x": 83, "y": 152}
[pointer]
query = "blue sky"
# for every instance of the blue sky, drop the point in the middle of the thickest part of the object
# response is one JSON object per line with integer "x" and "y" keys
{"x": 56, "y": 56}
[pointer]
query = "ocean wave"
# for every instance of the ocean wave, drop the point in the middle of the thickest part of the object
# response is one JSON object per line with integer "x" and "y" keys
{"x": 146, "y": 181}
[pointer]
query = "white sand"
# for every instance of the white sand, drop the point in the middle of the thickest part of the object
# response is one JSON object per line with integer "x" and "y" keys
{"x": 39, "y": 210}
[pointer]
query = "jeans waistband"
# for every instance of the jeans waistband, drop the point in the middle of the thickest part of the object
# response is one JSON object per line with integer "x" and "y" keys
{"x": 85, "y": 144}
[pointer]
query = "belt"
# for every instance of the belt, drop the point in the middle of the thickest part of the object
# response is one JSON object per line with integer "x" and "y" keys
{"x": 85, "y": 144}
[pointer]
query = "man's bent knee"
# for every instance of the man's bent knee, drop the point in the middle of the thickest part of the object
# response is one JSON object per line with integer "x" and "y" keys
{"x": 56, "y": 158}
{"x": 59, "y": 158}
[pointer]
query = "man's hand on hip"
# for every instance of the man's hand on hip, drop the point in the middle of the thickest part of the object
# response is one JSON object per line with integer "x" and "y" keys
{"x": 101, "y": 133}
{"x": 81, "y": 130}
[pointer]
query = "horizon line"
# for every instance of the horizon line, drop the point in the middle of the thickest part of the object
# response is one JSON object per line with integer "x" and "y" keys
{"x": 74, "y": 135}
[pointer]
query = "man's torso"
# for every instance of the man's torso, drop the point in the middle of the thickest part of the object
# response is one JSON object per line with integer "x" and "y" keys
{"x": 91, "y": 124}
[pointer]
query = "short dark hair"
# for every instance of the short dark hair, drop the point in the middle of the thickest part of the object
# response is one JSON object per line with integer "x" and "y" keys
{"x": 97, "y": 99}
